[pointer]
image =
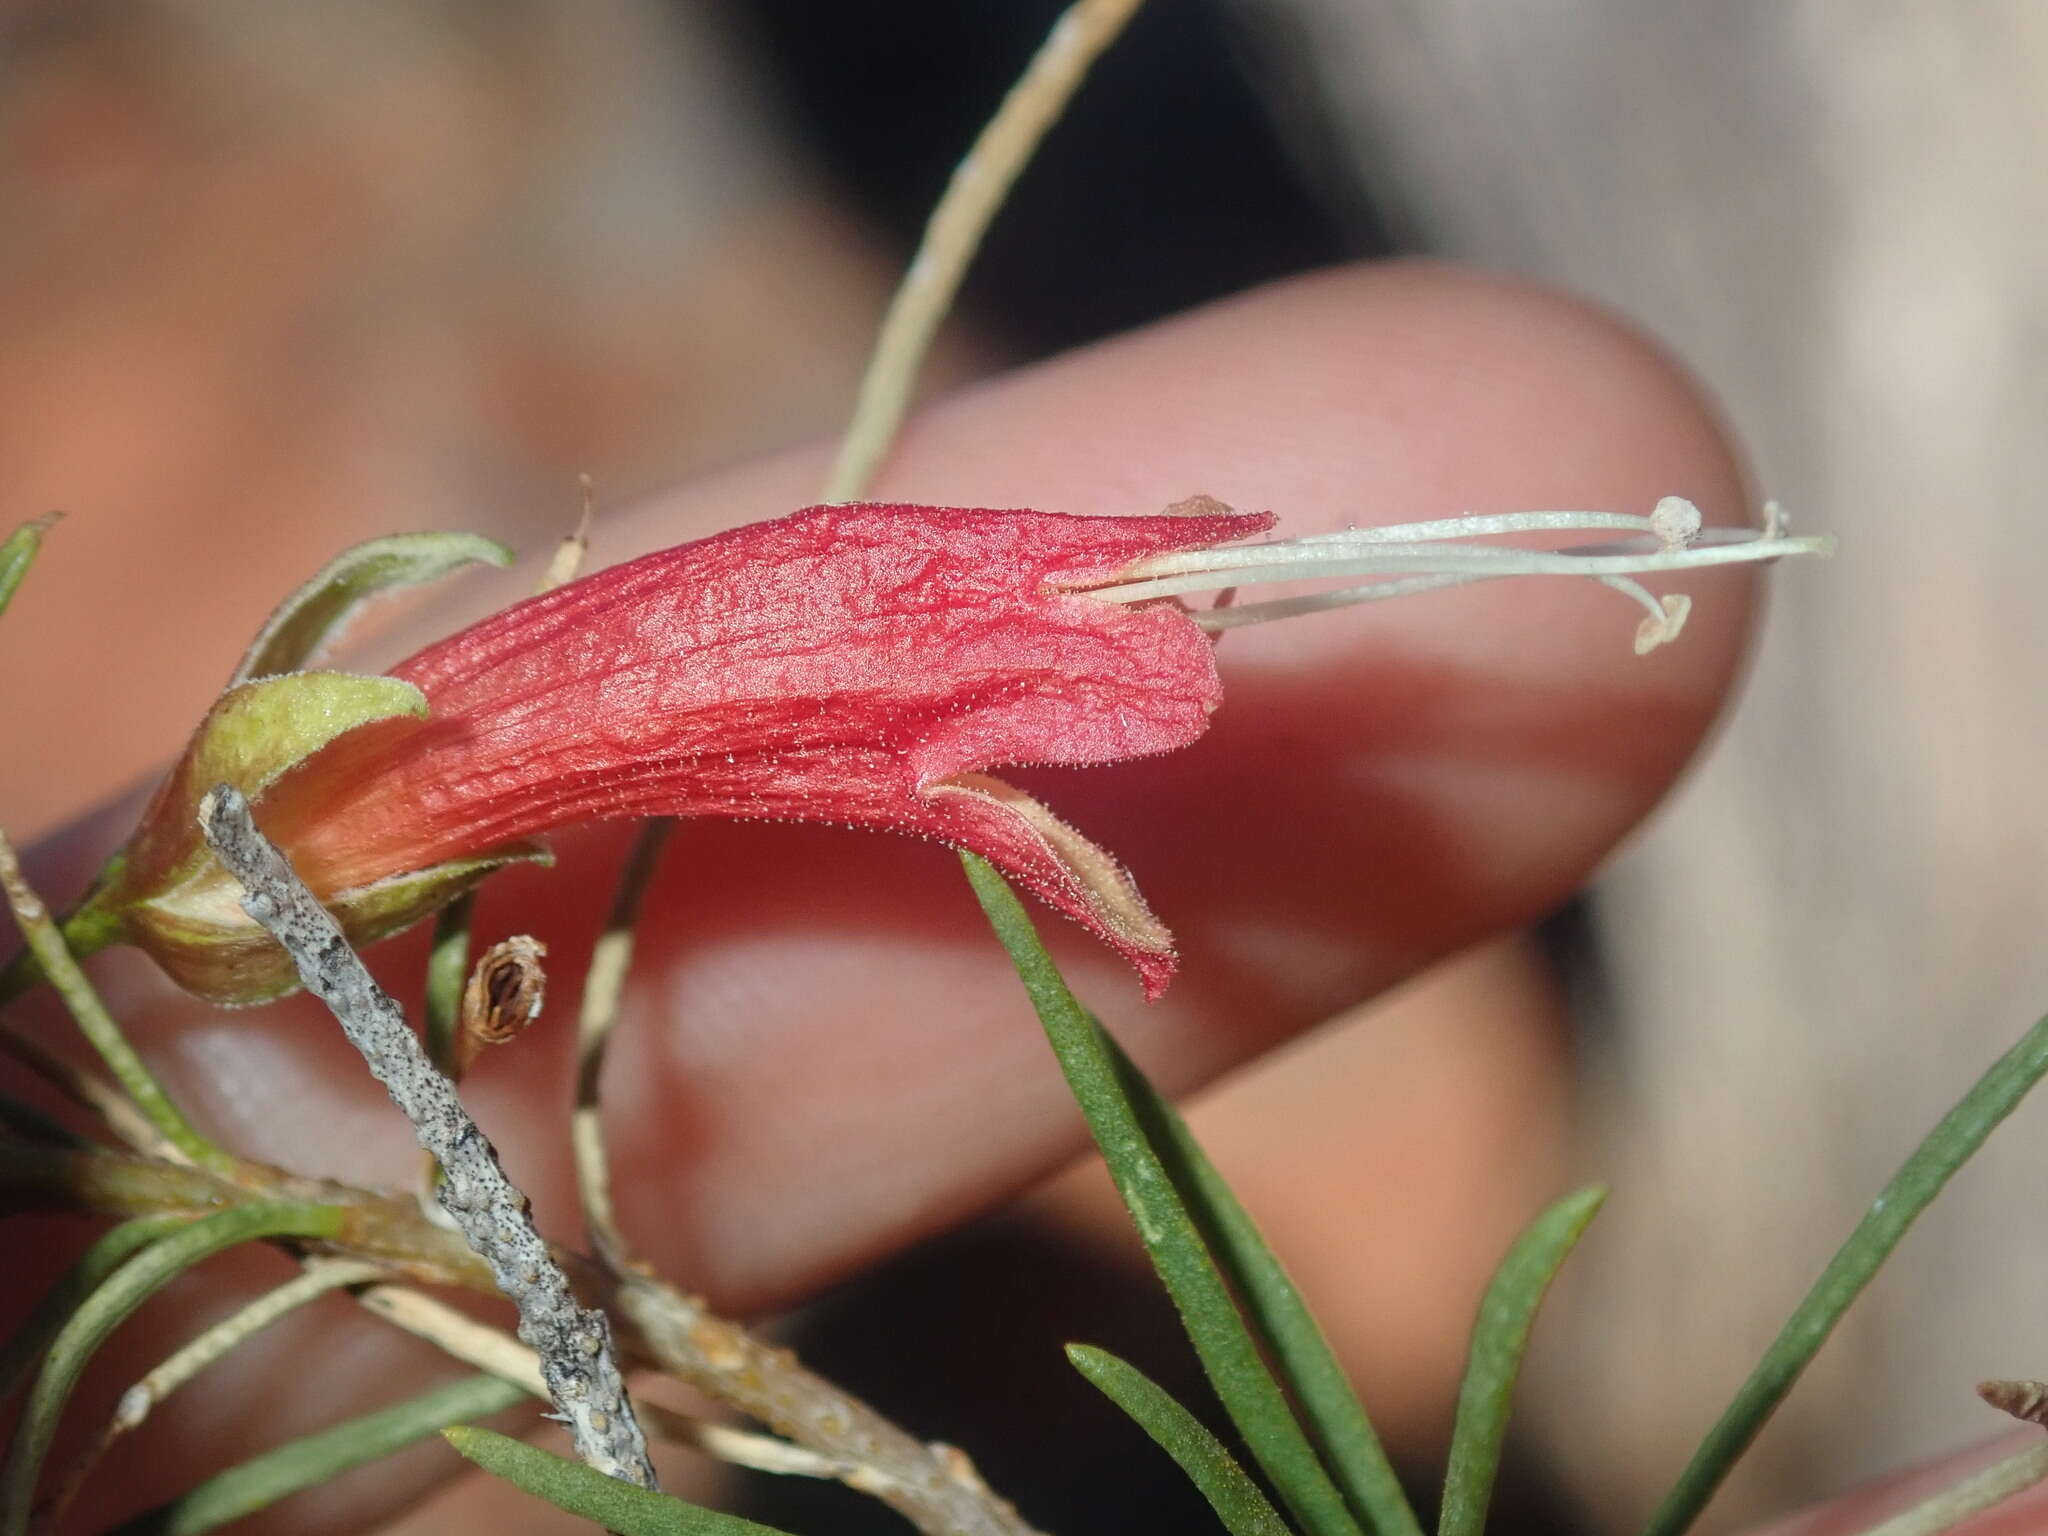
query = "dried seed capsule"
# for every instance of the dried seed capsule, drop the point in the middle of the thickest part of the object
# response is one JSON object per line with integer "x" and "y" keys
{"x": 504, "y": 994}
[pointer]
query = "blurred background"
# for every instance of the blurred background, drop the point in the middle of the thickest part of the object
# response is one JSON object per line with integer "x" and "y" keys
{"x": 283, "y": 277}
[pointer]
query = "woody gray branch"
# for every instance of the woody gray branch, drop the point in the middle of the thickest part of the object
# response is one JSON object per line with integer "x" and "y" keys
{"x": 573, "y": 1342}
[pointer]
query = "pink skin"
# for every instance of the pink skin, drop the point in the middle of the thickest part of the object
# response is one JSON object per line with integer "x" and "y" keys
{"x": 2025, "y": 1514}
{"x": 826, "y": 1056}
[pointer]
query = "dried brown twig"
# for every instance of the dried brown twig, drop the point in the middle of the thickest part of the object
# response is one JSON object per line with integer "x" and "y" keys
{"x": 933, "y": 1486}
{"x": 573, "y": 1341}
{"x": 954, "y": 232}
{"x": 596, "y": 1017}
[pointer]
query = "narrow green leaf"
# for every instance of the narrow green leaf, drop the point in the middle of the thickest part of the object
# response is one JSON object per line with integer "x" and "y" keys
{"x": 581, "y": 1490}
{"x": 1236, "y": 1499}
{"x": 18, "y": 553}
{"x": 113, "y": 1248}
{"x": 1249, "y": 1394}
{"x": 1912, "y": 1189}
{"x": 315, "y": 614}
{"x": 1499, "y": 1339}
{"x": 322, "y": 1456}
{"x": 1290, "y": 1334}
{"x": 141, "y": 1277}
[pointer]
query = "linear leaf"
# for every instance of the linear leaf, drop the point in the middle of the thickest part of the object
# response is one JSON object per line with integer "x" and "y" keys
{"x": 111, "y": 1304}
{"x": 1238, "y": 1503}
{"x": 1290, "y": 1333}
{"x": 1249, "y": 1394}
{"x": 1500, "y": 1338}
{"x": 313, "y": 1459}
{"x": 1912, "y": 1189}
{"x": 581, "y": 1490}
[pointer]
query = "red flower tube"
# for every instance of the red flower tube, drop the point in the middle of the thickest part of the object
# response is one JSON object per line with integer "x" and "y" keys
{"x": 858, "y": 664}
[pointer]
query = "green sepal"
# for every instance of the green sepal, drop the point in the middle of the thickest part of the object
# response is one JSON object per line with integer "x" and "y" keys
{"x": 255, "y": 733}
{"x": 18, "y": 553}
{"x": 312, "y": 616}
{"x": 209, "y": 946}
{"x": 166, "y": 892}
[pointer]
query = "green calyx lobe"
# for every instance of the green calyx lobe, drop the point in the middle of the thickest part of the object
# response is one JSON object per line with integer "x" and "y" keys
{"x": 167, "y": 894}
{"x": 18, "y": 553}
{"x": 210, "y": 947}
{"x": 255, "y": 733}
{"x": 315, "y": 614}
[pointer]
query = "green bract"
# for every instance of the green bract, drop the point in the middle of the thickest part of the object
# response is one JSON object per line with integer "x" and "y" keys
{"x": 18, "y": 553}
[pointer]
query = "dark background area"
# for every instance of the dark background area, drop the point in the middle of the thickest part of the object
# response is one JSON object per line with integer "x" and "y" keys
{"x": 1168, "y": 182}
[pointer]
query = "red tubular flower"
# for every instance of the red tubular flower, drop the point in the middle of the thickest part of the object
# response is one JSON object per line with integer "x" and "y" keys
{"x": 859, "y": 664}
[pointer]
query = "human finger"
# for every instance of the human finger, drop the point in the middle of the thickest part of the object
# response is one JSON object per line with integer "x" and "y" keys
{"x": 825, "y": 1056}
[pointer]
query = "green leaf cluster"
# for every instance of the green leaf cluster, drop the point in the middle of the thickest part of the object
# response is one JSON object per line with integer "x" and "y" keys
{"x": 1199, "y": 1237}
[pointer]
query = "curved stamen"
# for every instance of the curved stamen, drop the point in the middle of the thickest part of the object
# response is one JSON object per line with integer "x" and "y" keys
{"x": 1666, "y": 617}
{"x": 1416, "y": 557}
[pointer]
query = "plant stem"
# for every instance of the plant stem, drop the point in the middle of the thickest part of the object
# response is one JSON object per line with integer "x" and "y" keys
{"x": 447, "y": 971}
{"x": 461, "y": 1337}
{"x": 98, "y": 1026}
{"x": 573, "y": 1341}
{"x": 603, "y": 985}
{"x": 955, "y": 230}
{"x": 933, "y": 1486}
{"x": 377, "y": 1227}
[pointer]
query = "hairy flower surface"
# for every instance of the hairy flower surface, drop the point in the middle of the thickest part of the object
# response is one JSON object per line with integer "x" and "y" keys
{"x": 857, "y": 664}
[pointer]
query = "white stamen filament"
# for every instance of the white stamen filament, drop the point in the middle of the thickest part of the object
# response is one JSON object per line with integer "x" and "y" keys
{"x": 1476, "y": 527}
{"x": 1416, "y": 559}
